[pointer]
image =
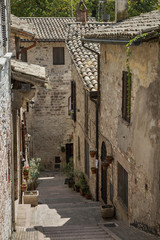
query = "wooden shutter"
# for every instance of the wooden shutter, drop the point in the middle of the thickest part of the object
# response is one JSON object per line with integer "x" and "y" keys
{"x": 87, "y": 158}
{"x": 58, "y": 56}
{"x": 126, "y": 97}
{"x": 3, "y": 21}
{"x": 73, "y": 100}
{"x": 86, "y": 113}
{"x": 24, "y": 56}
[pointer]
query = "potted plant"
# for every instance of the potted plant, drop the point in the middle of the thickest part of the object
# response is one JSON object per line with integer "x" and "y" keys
{"x": 26, "y": 171}
{"x": 87, "y": 193}
{"x": 109, "y": 159}
{"x": 93, "y": 170}
{"x": 63, "y": 149}
{"x": 24, "y": 186}
{"x": 92, "y": 153}
{"x": 82, "y": 183}
{"x": 107, "y": 211}
{"x": 105, "y": 165}
{"x": 30, "y": 197}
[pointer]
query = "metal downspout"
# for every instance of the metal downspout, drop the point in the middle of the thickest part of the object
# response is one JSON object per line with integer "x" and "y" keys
{"x": 26, "y": 49}
{"x": 97, "y": 102}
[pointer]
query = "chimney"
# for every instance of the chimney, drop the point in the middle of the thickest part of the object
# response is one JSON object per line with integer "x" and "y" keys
{"x": 81, "y": 12}
{"x": 121, "y": 11}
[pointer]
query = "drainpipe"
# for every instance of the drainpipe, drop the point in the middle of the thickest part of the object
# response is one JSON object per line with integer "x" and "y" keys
{"x": 97, "y": 102}
{"x": 26, "y": 49}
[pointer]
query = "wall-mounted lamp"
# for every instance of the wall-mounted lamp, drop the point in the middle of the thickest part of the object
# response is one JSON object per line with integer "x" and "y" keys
{"x": 32, "y": 103}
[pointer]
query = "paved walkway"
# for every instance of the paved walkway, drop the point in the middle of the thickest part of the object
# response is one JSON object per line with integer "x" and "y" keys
{"x": 64, "y": 214}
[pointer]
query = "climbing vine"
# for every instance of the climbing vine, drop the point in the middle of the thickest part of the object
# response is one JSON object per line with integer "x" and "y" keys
{"x": 135, "y": 41}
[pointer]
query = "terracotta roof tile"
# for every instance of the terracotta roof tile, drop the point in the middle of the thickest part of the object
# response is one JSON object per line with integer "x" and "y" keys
{"x": 50, "y": 28}
{"x": 84, "y": 59}
{"x": 128, "y": 28}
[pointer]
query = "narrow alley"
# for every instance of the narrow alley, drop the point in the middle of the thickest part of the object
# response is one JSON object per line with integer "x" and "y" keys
{"x": 64, "y": 214}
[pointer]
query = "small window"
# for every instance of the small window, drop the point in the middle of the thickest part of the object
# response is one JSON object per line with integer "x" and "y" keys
{"x": 69, "y": 106}
{"x": 73, "y": 100}
{"x": 123, "y": 185}
{"x": 24, "y": 56}
{"x": 87, "y": 168}
{"x": 86, "y": 113}
{"x": 58, "y": 56}
{"x": 126, "y": 96}
{"x": 79, "y": 152}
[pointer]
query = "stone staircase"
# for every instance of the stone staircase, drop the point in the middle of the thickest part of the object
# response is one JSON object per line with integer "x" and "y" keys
{"x": 76, "y": 233}
{"x": 29, "y": 226}
{"x": 25, "y": 219}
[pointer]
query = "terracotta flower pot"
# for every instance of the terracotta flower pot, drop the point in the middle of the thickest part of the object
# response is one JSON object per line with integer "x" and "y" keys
{"x": 109, "y": 159}
{"x": 105, "y": 165}
{"x": 23, "y": 188}
{"x": 92, "y": 153}
{"x": 93, "y": 170}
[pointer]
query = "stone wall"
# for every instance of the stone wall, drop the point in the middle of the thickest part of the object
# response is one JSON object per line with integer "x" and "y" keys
{"x": 79, "y": 131}
{"x": 5, "y": 149}
{"x": 136, "y": 145}
{"x": 48, "y": 121}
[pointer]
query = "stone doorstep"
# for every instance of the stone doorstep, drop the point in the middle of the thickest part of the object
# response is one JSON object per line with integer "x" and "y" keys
{"x": 23, "y": 215}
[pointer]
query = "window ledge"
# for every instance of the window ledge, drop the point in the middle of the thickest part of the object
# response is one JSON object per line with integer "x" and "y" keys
{"x": 125, "y": 122}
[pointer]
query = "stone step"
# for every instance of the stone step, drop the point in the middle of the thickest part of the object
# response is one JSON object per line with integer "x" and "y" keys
{"x": 23, "y": 216}
{"x": 23, "y": 235}
{"x": 76, "y": 232}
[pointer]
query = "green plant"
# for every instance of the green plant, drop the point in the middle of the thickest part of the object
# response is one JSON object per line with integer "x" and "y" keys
{"x": 26, "y": 169}
{"x": 63, "y": 149}
{"x": 82, "y": 182}
{"x": 34, "y": 173}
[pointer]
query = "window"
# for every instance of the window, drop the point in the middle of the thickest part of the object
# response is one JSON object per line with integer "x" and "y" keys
{"x": 69, "y": 105}
{"x": 73, "y": 100}
{"x": 58, "y": 56}
{"x": 24, "y": 56}
{"x": 126, "y": 96}
{"x": 79, "y": 152}
{"x": 86, "y": 113}
{"x": 123, "y": 185}
{"x": 86, "y": 158}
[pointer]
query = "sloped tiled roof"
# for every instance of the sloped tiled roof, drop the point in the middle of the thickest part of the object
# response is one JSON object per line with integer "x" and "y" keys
{"x": 22, "y": 27}
{"x": 50, "y": 28}
{"x": 85, "y": 60}
{"x": 129, "y": 28}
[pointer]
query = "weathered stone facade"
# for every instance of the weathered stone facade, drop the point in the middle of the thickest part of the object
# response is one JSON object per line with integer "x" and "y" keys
{"x": 5, "y": 128}
{"x": 135, "y": 145}
{"x": 49, "y": 122}
{"x": 84, "y": 133}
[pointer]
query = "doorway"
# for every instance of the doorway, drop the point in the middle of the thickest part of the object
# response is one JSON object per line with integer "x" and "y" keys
{"x": 69, "y": 151}
{"x": 103, "y": 174}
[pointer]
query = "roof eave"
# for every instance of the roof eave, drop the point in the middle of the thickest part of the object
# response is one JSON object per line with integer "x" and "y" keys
{"x": 103, "y": 40}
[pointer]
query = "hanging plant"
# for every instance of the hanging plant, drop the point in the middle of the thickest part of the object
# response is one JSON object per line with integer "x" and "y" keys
{"x": 63, "y": 149}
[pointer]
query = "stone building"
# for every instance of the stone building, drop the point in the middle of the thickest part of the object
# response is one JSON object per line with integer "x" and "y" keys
{"x": 5, "y": 126}
{"x": 129, "y": 119}
{"x": 24, "y": 79}
{"x": 84, "y": 97}
{"x": 49, "y": 120}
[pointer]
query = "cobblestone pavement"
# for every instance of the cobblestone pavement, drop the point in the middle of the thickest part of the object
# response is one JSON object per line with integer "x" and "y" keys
{"x": 64, "y": 214}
